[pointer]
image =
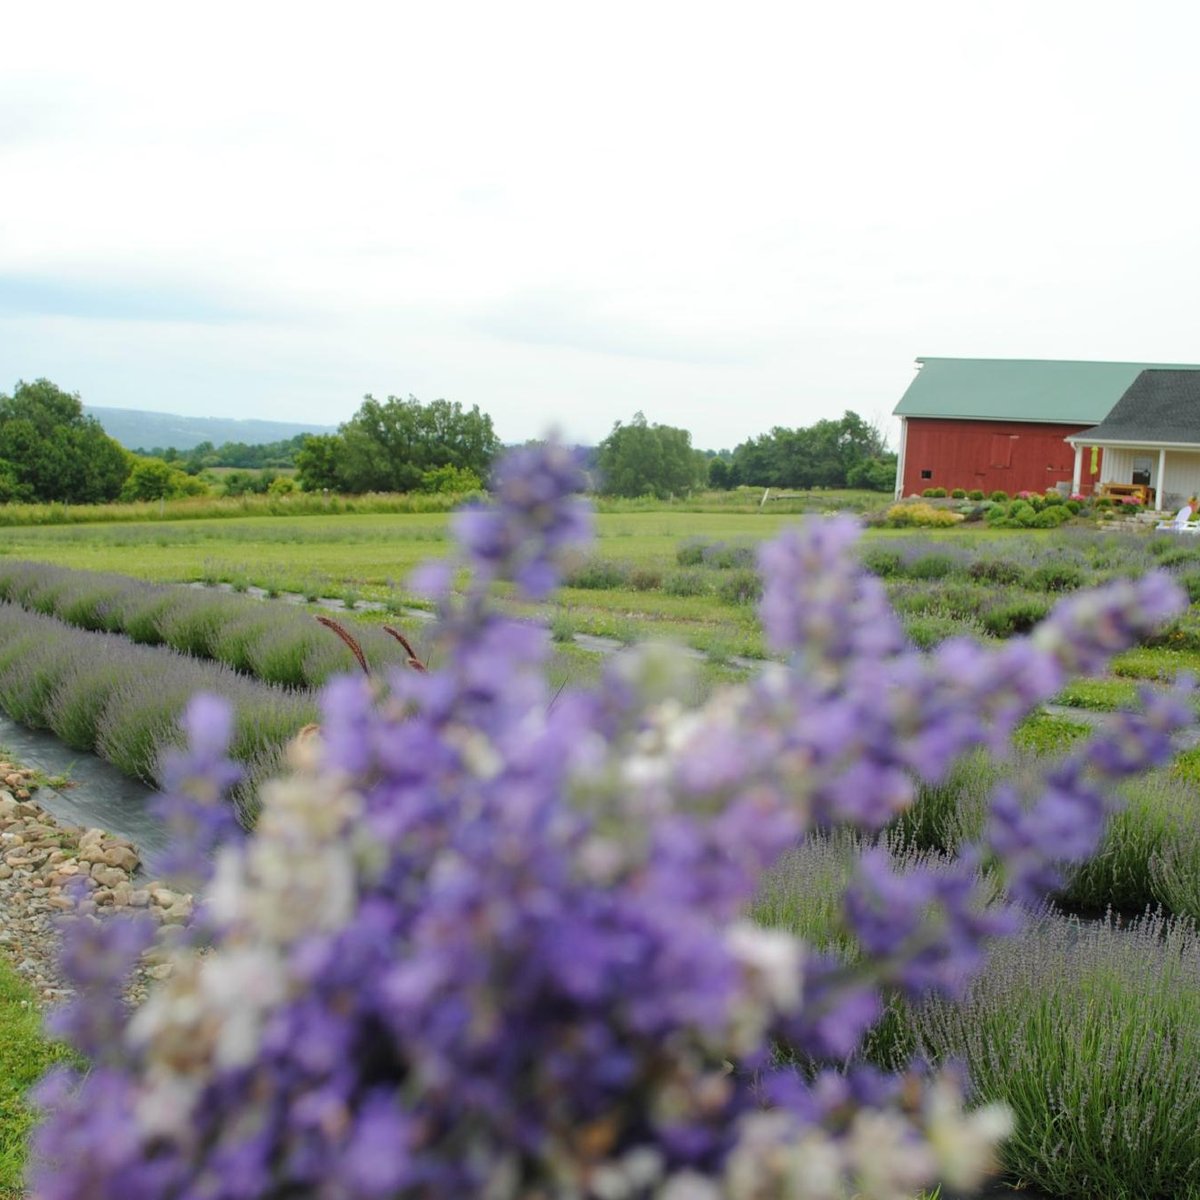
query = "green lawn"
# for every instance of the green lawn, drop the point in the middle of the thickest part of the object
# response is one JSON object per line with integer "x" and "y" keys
{"x": 25, "y": 1055}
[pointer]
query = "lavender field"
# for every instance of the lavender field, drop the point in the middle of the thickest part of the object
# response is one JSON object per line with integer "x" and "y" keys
{"x": 1085, "y": 1023}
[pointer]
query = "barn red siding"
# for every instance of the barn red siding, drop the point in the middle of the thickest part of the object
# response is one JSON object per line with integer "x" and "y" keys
{"x": 1009, "y": 456}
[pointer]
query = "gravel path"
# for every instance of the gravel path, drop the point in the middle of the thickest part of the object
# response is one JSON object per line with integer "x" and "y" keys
{"x": 43, "y": 861}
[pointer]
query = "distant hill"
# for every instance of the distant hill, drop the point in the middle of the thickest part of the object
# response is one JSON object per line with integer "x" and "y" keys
{"x": 139, "y": 430}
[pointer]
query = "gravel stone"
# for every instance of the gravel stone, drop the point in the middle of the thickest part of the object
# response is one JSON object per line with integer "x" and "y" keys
{"x": 39, "y": 858}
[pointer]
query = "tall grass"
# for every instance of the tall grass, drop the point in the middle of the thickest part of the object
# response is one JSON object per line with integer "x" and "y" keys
{"x": 192, "y": 508}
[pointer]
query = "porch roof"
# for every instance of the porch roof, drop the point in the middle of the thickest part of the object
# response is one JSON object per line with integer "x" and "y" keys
{"x": 1160, "y": 409}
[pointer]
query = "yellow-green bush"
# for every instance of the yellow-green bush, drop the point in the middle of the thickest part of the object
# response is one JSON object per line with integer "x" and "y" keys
{"x": 901, "y": 516}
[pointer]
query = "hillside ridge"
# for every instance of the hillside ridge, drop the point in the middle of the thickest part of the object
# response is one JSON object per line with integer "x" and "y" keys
{"x": 138, "y": 429}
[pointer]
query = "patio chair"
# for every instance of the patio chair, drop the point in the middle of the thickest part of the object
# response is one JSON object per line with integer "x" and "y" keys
{"x": 1180, "y": 523}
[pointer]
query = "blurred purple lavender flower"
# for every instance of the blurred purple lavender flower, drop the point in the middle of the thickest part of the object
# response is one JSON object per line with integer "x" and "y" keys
{"x": 196, "y": 784}
{"x": 479, "y": 944}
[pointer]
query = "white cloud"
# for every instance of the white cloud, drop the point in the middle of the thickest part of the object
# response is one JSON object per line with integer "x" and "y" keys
{"x": 728, "y": 217}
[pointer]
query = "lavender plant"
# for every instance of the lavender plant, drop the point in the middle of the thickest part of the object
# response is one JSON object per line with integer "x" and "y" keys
{"x": 101, "y": 692}
{"x": 486, "y": 941}
{"x": 1090, "y": 1034}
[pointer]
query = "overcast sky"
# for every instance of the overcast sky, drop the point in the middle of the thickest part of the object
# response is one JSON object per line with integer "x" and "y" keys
{"x": 730, "y": 216}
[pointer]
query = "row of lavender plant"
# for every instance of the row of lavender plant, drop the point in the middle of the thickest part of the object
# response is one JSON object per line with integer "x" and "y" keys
{"x": 276, "y": 643}
{"x": 99, "y": 692}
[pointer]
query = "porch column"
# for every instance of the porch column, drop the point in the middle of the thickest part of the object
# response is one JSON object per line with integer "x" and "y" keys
{"x": 900, "y": 458}
{"x": 1161, "y": 490}
{"x": 1077, "y": 478}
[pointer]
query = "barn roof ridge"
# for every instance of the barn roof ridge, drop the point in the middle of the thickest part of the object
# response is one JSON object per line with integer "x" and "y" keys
{"x": 1053, "y": 390}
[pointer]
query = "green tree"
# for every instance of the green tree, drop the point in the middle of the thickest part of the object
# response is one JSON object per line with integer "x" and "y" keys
{"x": 150, "y": 479}
{"x": 157, "y": 479}
{"x": 720, "y": 475}
{"x": 317, "y": 462}
{"x": 640, "y": 459}
{"x": 818, "y": 455}
{"x": 873, "y": 474}
{"x": 393, "y": 445}
{"x": 52, "y": 452}
{"x": 388, "y": 446}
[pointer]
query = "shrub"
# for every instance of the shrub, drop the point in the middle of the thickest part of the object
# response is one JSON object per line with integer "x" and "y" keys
{"x": 29, "y": 679}
{"x": 740, "y": 587}
{"x": 598, "y": 574}
{"x": 74, "y": 708}
{"x": 1191, "y": 583}
{"x": 645, "y": 579}
{"x": 190, "y": 625}
{"x": 901, "y": 515}
{"x": 996, "y": 570}
{"x": 928, "y": 629}
{"x": 934, "y": 493}
{"x": 691, "y": 552}
{"x": 283, "y": 655}
{"x": 687, "y": 583}
{"x": 728, "y": 556}
{"x": 1175, "y": 870}
{"x": 975, "y": 494}
{"x": 1157, "y": 816}
{"x": 999, "y": 497}
{"x": 103, "y": 693}
{"x": 243, "y": 628}
{"x": 1013, "y": 615}
{"x": 882, "y": 561}
{"x": 958, "y": 494}
{"x": 1051, "y": 518}
{"x": 451, "y": 480}
{"x": 1056, "y": 577}
{"x": 1073, "y": 506}
{"x": 930, "y": 566}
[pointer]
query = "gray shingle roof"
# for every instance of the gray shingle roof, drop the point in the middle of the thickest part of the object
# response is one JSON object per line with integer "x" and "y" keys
{"x": 1159, "y": 406}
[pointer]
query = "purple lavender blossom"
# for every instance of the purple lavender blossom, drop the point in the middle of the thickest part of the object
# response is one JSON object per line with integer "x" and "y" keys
{"x": 196, "y": 785}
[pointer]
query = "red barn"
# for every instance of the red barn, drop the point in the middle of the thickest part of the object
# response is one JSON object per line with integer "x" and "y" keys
{"x": 1000, "y": 424}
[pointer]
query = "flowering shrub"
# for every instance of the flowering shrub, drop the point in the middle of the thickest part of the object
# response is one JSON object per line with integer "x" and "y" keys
{"x": 490, "y": 941}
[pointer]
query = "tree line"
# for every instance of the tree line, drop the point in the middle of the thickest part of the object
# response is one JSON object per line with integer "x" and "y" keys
{"x": 51, "y": 451}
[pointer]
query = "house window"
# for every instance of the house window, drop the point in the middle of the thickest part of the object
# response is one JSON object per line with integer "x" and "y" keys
{"x": 1141, "y": 471}
{"x": 926, "y": 474}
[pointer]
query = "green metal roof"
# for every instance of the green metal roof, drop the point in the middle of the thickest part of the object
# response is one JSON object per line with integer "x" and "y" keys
{"x": 1021, "y": 389}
